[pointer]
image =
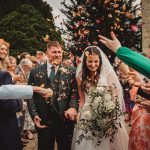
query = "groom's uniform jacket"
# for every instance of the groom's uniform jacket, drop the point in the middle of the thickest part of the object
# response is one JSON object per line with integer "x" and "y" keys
{"x": 65, "y": 91}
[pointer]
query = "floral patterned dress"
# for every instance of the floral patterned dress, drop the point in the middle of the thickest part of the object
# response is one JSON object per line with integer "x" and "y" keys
{"x": 140, "y": 132}
{"x": 28, "y": 124}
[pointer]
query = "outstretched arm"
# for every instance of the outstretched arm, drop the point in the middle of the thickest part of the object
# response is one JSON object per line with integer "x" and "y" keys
{"x": 22, "y": 91}
{"x": 16, "y": 92}
{"x": 131, "y": 58}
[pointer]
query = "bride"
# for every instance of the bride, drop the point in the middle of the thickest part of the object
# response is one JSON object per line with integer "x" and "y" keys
{"x": 100, "y": 125}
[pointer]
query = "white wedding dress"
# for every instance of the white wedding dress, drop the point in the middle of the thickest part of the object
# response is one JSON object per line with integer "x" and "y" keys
{"x": 108, "y": 77}
{"x": 120, "y": 141}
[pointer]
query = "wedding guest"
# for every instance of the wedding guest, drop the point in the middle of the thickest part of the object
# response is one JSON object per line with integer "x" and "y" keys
{"x": 40, "y": 56}
{"x": 34, "y": 61}
{"x": 25, "y": 66}
{"x": 131, "y": 58}
{"x": 26, "y": 123}
{"x": 10, "y": 66}
{"x": 122, "y": 69}
{"x": 24, "y": 55}
{"x": 140, "y": 120}
{"x": 9, "y": 131}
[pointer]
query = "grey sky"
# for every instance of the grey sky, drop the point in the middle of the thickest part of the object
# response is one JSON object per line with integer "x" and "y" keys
{"x": 56, "y": 5}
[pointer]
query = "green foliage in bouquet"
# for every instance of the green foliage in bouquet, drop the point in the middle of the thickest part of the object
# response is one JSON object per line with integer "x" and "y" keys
{"x": 100, "y": 115}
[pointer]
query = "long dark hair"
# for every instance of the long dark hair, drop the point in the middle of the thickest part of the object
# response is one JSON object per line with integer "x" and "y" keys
{"x": 86, "y": 73}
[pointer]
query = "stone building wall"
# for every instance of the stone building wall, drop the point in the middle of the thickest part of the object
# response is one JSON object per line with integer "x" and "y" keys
{"x": 146, "y": 25}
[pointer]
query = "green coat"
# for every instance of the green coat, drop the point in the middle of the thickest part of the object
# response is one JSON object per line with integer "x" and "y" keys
{"x": 64, "y": 87}
{"x": 134, "y": 60}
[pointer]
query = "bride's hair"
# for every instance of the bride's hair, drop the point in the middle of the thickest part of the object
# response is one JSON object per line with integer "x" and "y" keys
{"x": 86, "y": 73}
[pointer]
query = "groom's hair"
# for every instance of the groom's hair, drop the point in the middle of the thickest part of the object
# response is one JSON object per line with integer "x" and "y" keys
{"x": 53, "y": 43}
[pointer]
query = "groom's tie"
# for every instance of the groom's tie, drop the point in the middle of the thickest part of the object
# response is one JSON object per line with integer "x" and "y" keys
{"x": 52, "y": 74}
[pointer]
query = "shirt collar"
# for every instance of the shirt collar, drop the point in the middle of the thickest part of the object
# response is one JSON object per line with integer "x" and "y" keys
{"x": 49, "y": 66}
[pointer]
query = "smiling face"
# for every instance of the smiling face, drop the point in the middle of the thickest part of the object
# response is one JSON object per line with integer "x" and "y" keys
{"x": 11, "y": 64}
{"x": 93, "y": 62}
{"x": 55, "y": 54}
{"x": 91, "y": 67}
{"x": 3, "y": 51}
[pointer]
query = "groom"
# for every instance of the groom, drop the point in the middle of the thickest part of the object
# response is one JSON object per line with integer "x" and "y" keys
{"x": 49, "y": 116}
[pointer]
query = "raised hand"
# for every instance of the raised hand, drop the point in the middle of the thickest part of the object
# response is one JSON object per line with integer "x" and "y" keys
{"x": 113, "y": 44}
{"x": 18, "y": 78}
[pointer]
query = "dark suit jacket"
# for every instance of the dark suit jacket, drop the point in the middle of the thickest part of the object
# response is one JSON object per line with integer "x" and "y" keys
{"x": 8, "y": 106}
{"x": 9, "y": 131}
{"x": 64, "y": 88}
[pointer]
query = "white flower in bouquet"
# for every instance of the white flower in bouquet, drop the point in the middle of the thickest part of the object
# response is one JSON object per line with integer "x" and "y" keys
{"x": 102, "y": 114}
{"x": 86, "y": 107}
{"x": 87, "y": 115}
{"x": 88, "y": 99}
{"x": 107, "y": 96}
{"x": 110, "y": 106}
{"x": 100, "y": 88}
{"x": 96, "y": 102}
{"x": 97, "y": 99}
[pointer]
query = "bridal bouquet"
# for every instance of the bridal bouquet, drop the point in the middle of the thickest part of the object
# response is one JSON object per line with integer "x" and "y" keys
{"x": 100, "y": 115}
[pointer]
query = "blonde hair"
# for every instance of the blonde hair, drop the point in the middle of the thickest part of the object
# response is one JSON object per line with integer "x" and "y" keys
{"x": 8, "y": 60}
{"x": 53, "y": 43}
{"x": 3, "y": 42}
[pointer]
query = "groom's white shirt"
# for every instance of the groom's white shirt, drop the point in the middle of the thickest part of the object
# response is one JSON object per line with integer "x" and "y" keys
{"x": 49, "y": 68}
{"x": 16, "y": 92}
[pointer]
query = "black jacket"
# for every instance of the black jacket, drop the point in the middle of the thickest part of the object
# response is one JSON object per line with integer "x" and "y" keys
{"x": 8, "y": 106}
